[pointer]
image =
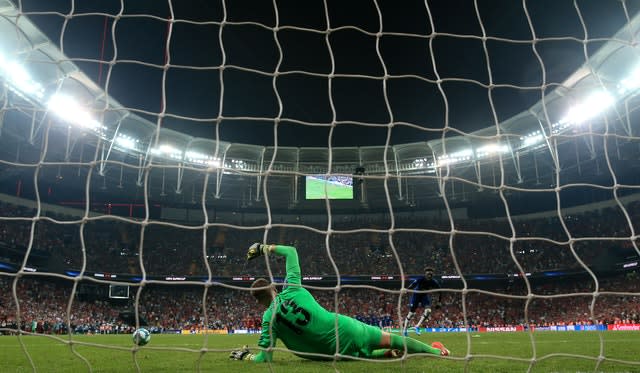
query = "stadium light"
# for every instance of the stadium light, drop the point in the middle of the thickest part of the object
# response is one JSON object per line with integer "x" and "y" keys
{"x": 195, "y": 156}
{"x": 67, "y": 109}
{"x": 19, "y": 79}
{"x": 487, "y": 150}
{"x": 630, "y": 83}
{"x": 238, "y": 163}
{"x": 168, "y": 150}
{"x": 202, "y": 159}
{"x": 127, "y": 142}
{"x": 419, "y": 162}
{"x": 455, "y": 157}
{"x": 532, "y": 138}
{"x": 595, "y": 104}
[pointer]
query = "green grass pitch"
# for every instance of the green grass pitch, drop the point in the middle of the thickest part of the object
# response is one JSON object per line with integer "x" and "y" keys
{"x": 315, "y": 189}
{"x": 186, "y": 353}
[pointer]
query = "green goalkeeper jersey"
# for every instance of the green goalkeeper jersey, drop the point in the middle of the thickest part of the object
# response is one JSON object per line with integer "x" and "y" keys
{"x": 304, "y": 326}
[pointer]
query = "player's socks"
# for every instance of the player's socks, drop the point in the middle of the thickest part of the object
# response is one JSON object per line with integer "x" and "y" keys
{"x": 413, "y": 345}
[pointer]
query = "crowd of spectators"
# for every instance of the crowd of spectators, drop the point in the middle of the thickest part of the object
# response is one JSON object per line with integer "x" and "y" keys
{"x": 44, "y": 303}
{"x": 594, "y": 239}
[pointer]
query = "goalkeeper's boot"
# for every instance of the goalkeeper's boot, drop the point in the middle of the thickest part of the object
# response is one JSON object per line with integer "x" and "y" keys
{"x": 440, "y": 346}
{"x": 418, "y": 331}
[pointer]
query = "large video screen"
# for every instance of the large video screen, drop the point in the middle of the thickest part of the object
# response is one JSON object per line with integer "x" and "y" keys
{"x": 118, "y": 291}
{"x": 330, "y": 187}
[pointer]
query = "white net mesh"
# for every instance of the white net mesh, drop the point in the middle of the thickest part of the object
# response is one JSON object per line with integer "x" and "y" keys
{"x": 146, "y": 145}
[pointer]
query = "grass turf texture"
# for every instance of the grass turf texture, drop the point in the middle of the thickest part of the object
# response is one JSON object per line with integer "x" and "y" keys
{"x": 182, "y": 353}
{"x": 315, "y": 189}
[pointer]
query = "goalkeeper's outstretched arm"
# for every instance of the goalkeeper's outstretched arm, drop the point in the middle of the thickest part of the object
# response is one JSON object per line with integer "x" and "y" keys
{"x": 265, "y": 294}
{"x": 294, "y": 275}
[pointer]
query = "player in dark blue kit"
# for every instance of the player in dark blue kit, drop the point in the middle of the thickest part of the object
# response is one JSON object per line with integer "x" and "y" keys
{"x": 419, "y": 285}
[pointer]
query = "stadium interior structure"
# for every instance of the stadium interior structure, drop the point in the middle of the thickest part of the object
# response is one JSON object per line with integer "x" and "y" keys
{"x": 64, "y": 141}
{"x": 49, "y": 97}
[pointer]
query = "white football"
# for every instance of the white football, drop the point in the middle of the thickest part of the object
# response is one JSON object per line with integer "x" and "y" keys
{"x": 141, "y": 336}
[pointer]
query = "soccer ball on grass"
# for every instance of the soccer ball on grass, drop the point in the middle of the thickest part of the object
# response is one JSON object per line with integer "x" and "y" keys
{"x": 141, "y": 336}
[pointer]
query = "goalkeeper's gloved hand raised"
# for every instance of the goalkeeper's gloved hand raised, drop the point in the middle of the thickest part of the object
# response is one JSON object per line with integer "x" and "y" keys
{"x": 241, "y": 354}
{"x": 256, "y": 250}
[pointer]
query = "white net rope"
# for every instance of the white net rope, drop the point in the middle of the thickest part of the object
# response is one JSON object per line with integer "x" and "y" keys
{"x": 411, "y": 210}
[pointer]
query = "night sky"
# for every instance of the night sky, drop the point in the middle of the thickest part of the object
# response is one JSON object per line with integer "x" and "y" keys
{"x": 137, "y": 42}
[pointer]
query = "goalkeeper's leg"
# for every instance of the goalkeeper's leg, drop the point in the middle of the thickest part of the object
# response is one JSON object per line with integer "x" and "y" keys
{"x": 385, "y": 353}
{"x": 397, "y": 342}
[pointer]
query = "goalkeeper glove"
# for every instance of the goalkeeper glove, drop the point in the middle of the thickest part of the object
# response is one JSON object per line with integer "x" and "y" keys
{"x": 241, "y": 354}
{"x": 256, "y": 250}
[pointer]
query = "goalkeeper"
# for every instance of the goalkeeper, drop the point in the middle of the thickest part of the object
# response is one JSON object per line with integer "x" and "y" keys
{"x": 308, "y": 330}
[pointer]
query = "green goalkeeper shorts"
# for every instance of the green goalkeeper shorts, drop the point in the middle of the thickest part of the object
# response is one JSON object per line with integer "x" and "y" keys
{"x": 359, "y": 339}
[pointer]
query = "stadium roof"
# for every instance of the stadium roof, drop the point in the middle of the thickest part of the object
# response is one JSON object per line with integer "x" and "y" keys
{"x": 46, "y": 84}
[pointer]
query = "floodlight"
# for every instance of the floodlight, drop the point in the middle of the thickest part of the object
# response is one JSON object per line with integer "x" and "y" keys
{"x": 532, "y": 140}
{"x": 126, "y": 142}
{"x": 595, "y": 104}
{"x": 491, "y": 149}
{"x": 67, "y": 109}
{"x": 18, "y": 78}
{"x": 631, "y": 82}
{"x": 214, "y": 163}
{"x": 168, "y": 149}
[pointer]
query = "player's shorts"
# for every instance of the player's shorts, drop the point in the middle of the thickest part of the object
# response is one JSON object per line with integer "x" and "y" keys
{"x": 419, "y": 299}
{"x": 358, "y": 338}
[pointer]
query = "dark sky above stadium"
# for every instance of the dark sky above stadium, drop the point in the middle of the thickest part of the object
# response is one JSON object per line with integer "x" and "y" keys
{"x": 137, "y": 41}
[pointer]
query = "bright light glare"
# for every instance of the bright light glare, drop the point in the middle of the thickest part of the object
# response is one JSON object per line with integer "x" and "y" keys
{"x": 455, "y": 157}
{"x": 592, "y": 106}
{"x": 630, "y": 83}
{"x": 195, "y": 155}
{"x": 492, "y": 148}
{"x": 532, "y": 140}
{"x": 69, "y": 110}
{"x": 214, "y": 163}
{"x": 19, "y": 78}
{"x": 168, "y": 149}
{"x": 203, "y": 159}
{"x": 126, "y": 142}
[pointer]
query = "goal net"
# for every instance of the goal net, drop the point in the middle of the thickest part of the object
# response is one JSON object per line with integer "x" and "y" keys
{"x": 144, "y": 146}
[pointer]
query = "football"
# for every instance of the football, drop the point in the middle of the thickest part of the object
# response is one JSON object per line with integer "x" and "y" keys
{"x": 141, "y": 336}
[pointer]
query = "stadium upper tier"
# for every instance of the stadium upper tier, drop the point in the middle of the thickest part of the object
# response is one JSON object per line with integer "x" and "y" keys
{"x": 46, "y": 88}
